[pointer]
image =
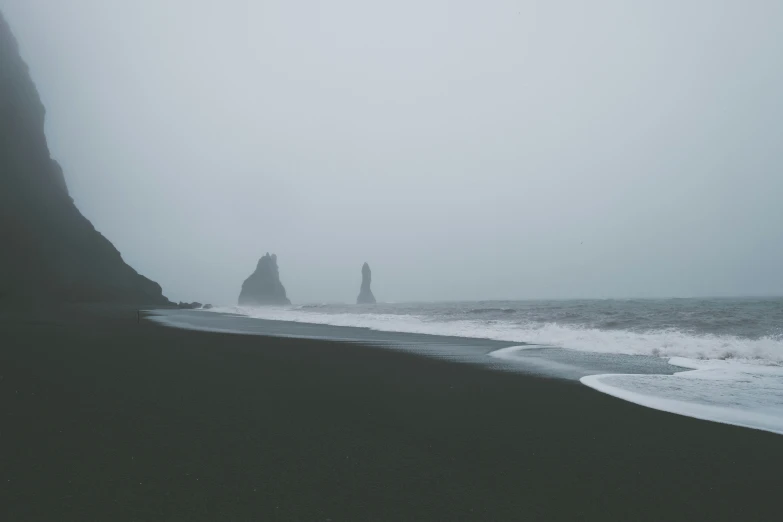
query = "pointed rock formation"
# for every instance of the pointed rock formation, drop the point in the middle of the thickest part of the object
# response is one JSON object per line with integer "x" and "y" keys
{"x": 263, "y": 287}
{"x": 48, "y": 250}
{"x": 365, "y": 294}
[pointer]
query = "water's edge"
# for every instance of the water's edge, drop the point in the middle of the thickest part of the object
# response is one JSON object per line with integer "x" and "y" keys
{"x": 727, "y": 392}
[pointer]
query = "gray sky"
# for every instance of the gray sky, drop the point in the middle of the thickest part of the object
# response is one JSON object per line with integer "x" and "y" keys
{"x": 466, "y": 150}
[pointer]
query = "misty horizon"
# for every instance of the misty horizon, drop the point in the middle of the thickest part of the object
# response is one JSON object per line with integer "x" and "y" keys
{"x": 513, "y": 150}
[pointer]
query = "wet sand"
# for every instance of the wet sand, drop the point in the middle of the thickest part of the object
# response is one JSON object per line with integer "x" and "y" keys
{"x": 103, "y": 418}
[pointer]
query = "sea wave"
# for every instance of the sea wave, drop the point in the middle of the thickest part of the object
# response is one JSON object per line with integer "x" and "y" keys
{"x": 491, "y": 310}
{"x": 767, "y": 350}
{"x": 721, "y": 391}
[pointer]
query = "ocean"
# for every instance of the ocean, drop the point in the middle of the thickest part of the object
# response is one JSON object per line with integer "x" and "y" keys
{"x": 717, "y": 359}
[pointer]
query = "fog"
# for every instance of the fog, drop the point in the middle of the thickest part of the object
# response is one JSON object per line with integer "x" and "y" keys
{"x": 465, "y": 150}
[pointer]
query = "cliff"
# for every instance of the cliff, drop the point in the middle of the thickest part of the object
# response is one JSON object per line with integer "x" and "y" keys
{"x": 48, "y": 249}
{"x": 263, "y": 287}
{"x": 365, "y": 293}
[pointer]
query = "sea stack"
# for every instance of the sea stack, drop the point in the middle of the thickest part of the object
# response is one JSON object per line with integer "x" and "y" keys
{"x": 48, "y": 250}
{"x": 365, "y": 294}
{"x": 263, "y": 287}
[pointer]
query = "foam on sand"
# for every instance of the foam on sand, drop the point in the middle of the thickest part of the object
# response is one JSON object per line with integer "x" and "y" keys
{"x": 721, "y": 391}
{"x": 508, "y": 354}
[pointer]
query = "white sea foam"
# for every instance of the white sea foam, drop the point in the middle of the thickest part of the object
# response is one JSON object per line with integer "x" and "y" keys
{"x": 509, "y": 354}
{"x": 662, "y": 343}
{"x": 721, "y": 391}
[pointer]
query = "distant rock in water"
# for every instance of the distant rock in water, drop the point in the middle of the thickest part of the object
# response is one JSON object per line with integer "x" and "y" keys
{"x": 48, "y": 250}
{"x": 263, "y": 287}
{"x": 195, "y": 305}
{"x": 365, "y": 294}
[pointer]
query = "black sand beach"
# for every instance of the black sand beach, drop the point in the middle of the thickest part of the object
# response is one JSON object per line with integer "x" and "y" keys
{"x": 105, "y": 419}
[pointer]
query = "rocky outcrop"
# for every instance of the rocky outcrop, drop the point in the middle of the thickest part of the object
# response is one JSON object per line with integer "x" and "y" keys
{"x": 195, "y": 305}
{"x": 365, "y": 293}
{"x": 263, "y": 287}
{"x": 48, "y": 249}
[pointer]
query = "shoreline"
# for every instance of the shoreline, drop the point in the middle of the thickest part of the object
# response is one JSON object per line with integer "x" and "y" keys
{"x": 716, "y": 391}
{"x": 106, "y": 419}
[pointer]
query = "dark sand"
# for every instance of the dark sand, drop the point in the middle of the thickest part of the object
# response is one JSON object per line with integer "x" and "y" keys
{"x": 103, "y": 419}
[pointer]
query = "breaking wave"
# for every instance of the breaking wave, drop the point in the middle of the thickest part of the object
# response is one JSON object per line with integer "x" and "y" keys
{"x": 667, "y": 342}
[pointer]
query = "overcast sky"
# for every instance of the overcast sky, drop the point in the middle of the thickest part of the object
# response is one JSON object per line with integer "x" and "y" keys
{"x": 466, "y": 150}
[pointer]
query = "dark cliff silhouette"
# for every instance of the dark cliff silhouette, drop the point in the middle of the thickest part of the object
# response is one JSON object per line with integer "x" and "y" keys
{"x": 263, "y": 287}
{"x": 48, "y": 249}
{"x": 365, "y": 293}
